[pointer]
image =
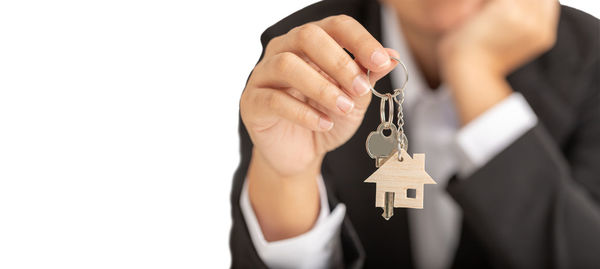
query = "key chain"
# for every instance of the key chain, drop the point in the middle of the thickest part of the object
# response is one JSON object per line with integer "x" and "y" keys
{"x": 399, "y": 178}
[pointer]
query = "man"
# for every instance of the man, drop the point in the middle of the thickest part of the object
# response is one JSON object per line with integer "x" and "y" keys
{"x": 503, "y": 98}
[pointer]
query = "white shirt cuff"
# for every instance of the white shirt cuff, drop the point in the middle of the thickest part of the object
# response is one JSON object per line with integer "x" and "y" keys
{"x": 313, "y": 249}
{"x": 493, "y": 131}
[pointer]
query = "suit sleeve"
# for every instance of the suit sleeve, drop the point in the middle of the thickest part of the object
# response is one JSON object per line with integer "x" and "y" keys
{"x": 243, "y": 251}
{"x": 544, "y": 207}
{"x": 315, "y": 248}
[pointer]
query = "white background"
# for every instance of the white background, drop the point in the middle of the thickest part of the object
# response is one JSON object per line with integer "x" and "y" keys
{"x": 118, "y": 128}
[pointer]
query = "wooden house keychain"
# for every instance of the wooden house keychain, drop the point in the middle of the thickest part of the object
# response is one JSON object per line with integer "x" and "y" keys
{"x": 399, "y": 177}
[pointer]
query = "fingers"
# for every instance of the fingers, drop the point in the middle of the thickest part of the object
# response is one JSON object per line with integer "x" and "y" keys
{"x": 363, "y": 102}
{"x": 311, "y": 60}
{"x": 322, "y": 42}
{"x": 287, "y": 70}
{"x": 353, "y": 36}
{"x": 313, "y": 42}
{"x": 375, "y": 76}
{"x": 272, "y": 102}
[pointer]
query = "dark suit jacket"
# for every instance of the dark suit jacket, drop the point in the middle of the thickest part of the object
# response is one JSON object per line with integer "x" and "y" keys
{"x": 535, "y": 205}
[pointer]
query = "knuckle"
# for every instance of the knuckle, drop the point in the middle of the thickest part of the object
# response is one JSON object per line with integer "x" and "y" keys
{"x": 284, "y": 62}
{"x": 324, "y": 91}
{"x": 307, "y": 32}
{"x": 273, "y": 43}
{"x": 342, "y": 62}
{"x": 341, "y": 19}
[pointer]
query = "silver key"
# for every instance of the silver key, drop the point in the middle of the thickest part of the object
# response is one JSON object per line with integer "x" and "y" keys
{"x": 379, "y": 146}
{"x": 388, "y": 205}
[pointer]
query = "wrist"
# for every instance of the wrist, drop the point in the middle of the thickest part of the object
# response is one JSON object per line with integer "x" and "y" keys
{"x": 460, "y": 58}
{"x": 285, "y": 205}
{"x": 284, "y": 172}
{"x": 469, "y": 70}
{"x": 459, "y": 50}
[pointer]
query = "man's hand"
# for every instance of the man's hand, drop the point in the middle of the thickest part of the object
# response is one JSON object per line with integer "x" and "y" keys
{"x": 306, "y": 97}
{"x": 476, "y": 57}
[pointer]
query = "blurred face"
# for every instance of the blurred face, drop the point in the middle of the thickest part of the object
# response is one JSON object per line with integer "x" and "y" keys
{"x": 434, "y": 17}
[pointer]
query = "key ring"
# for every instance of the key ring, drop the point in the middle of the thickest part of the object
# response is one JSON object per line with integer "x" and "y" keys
{"x": 396, "y": 92}
{"x": 387, "y": 97}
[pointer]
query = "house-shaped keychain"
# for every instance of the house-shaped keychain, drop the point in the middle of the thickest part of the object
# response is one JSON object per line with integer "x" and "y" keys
{"x": 400, "y": 183}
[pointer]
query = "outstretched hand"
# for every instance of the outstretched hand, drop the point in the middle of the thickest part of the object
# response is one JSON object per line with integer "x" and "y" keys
{"x": 307, "y": 96}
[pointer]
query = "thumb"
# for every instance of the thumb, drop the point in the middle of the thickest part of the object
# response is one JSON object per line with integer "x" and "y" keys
{"x": 375, "y": 76}
{"x": 363, "y": 102}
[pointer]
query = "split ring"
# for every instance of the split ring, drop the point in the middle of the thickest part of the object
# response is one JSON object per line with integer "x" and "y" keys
{"x": 387, "y": 97}
{"x": 396, "y": 92}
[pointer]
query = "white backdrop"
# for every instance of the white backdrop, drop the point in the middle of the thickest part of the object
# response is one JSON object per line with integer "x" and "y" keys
{"x": 118, "y": 128}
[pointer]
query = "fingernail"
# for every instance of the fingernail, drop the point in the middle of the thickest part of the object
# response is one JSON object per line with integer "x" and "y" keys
{"x": 344, "y": 104}
{"x": 380, "y": 59}
{"x": 360, "y": 85}
{"x": 325, "y": 124}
